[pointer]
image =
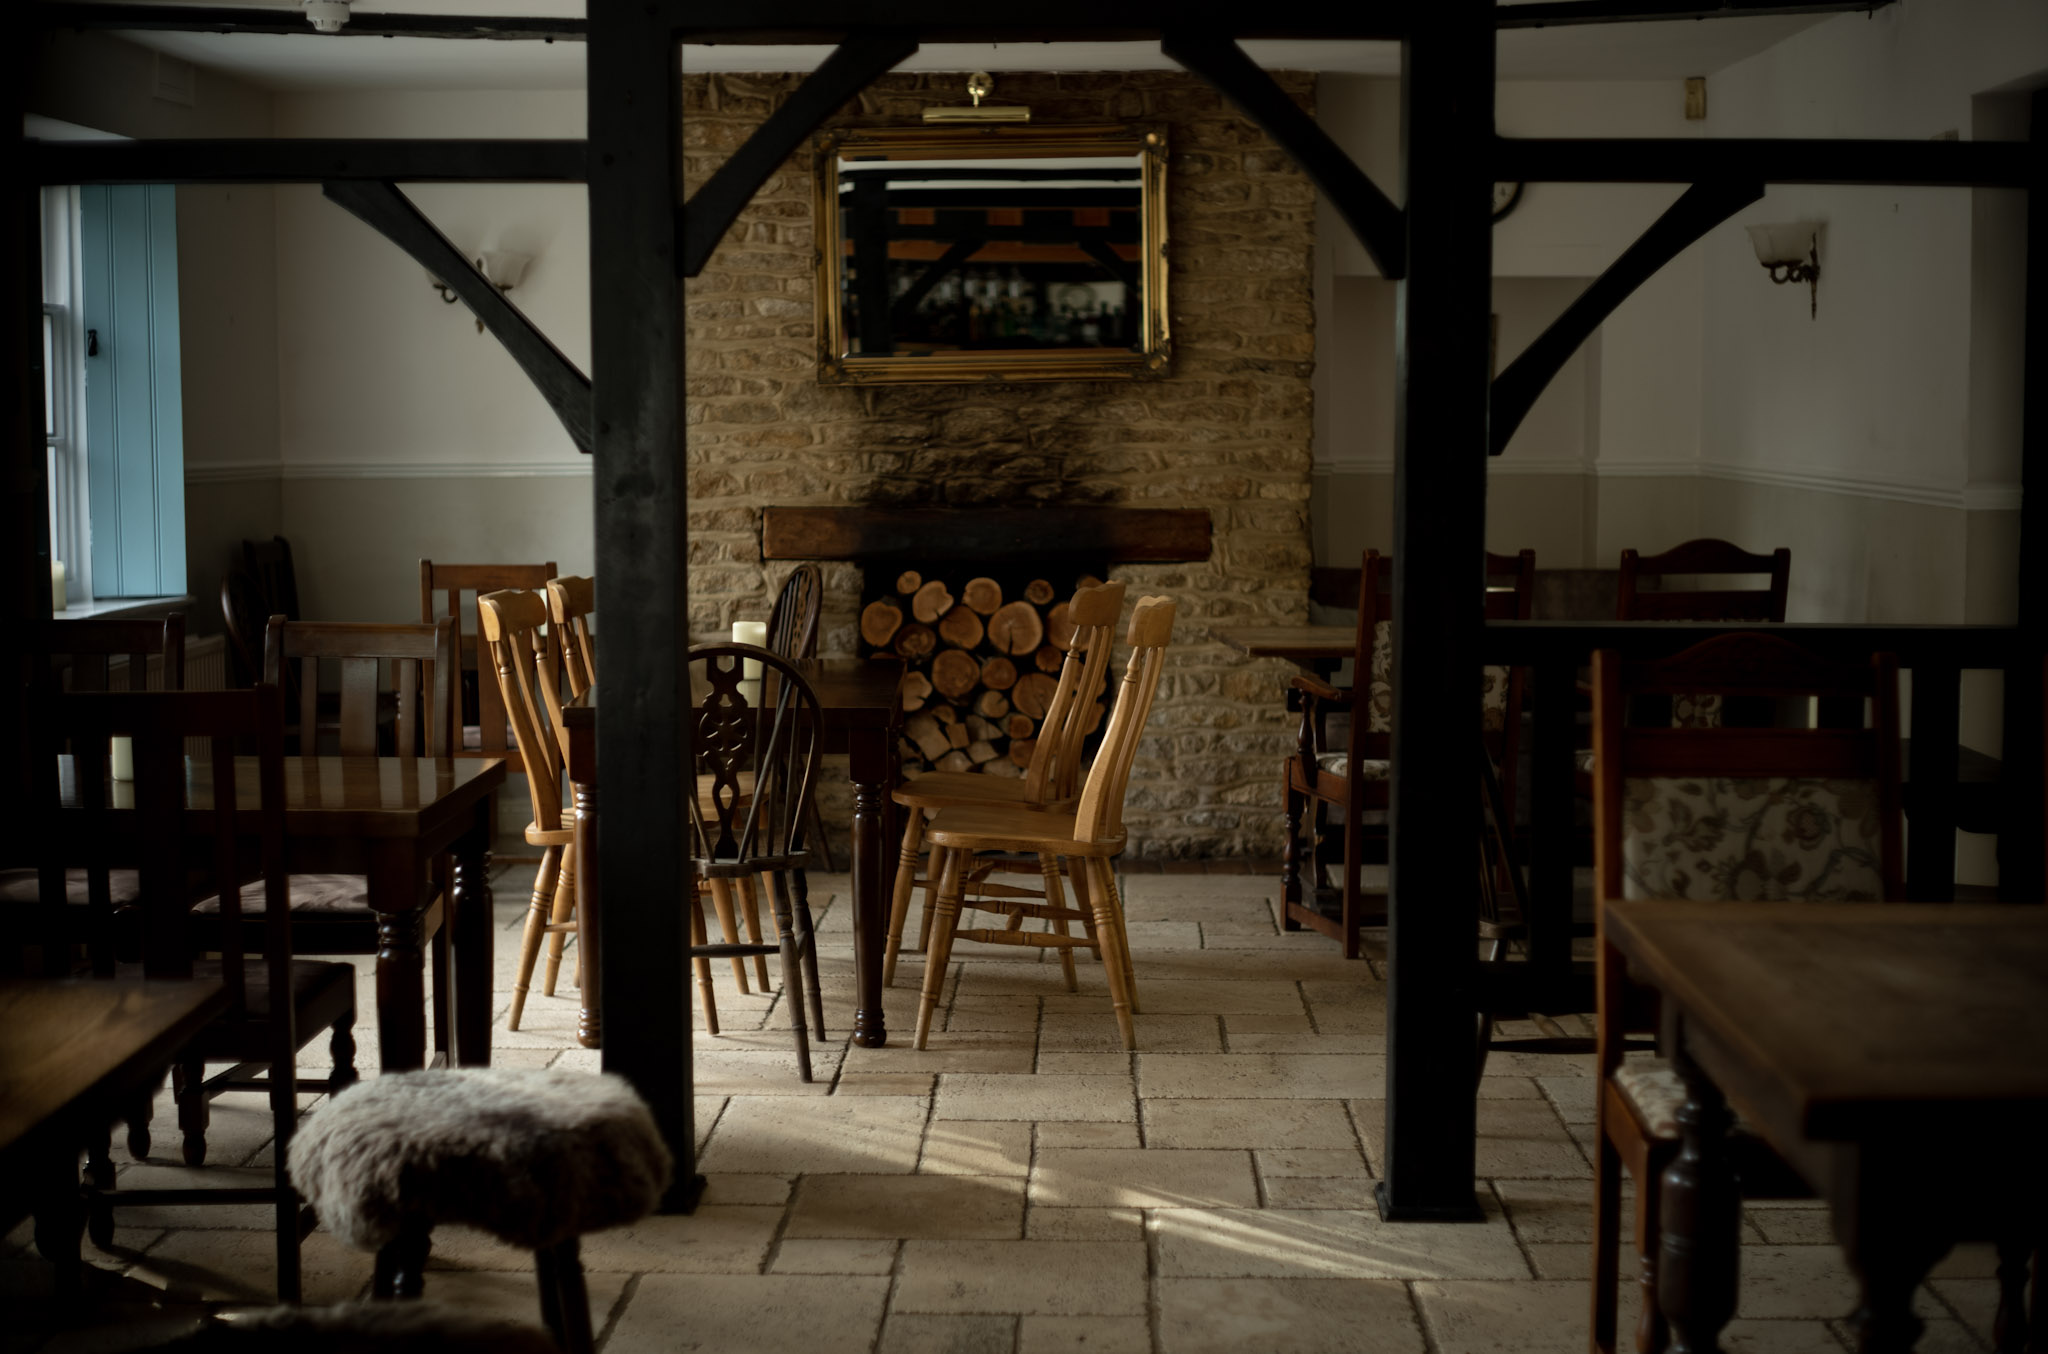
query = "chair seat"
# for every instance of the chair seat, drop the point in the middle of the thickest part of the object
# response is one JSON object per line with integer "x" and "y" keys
{"x": 937, "y": 789}
{"x": 533, "y": 1157}
{"x": 311, "y": 981}
{"x": 20, "y": 886}
{"x": 1013, "y": 827}
{"x": 309, "y": 893}
{"x": 1369, "y": 768}
{"x": 1654, "y": 1092}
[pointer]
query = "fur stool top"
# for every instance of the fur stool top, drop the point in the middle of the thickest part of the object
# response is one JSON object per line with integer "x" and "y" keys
{"x": 365, "y": 1328}
{"x": 533, "y": 1157}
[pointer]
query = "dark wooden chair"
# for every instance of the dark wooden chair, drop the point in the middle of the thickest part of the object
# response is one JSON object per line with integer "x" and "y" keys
{"x": 1351, "y": 783}
{"x": 1718, "y": 812}
{"x": 177, "y": 813}
{"x": 757, "y": 746}
{"x": 276, "y": 579}
{"x": 1698, "y": 560}
{"x": 793, "y": 633}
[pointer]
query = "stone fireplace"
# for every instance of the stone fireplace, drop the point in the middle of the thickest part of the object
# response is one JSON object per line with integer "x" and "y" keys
{"x": 1224, "y": 436}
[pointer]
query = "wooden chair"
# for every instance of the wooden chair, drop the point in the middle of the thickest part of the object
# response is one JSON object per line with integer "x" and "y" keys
{"x": 277, "y": 1004}
{"x": 1090, "y": 836}
{"x": 270, "y": 568}
{"x": 1051, "y": 781}
{"x": 793, "y": 633}
{"x": 441, "y": 591}
{"x": 1708, "y": 812}
{"x": 1705, "y": 557}
{"x": 570, "y": 602}
{"x": 1352, "y": 783}
{"x": 757, "y": 745}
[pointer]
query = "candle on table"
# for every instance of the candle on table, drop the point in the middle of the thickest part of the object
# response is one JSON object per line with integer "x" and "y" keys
{"x": 123, "y": 756}
{"x": 56, "y": 585}
{"x": 755, "y": 633}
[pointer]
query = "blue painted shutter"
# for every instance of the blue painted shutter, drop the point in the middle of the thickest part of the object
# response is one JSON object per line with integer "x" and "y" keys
{"x": 134, "y": 413}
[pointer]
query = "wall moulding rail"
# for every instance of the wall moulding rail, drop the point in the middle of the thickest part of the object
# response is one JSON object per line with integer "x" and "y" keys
{"x": 1918, "y": 164}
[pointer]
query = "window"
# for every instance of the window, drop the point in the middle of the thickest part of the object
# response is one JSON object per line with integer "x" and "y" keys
{"x": 115, "y": 427}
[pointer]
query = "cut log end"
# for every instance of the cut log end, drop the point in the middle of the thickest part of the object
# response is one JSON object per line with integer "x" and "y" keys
{"x": 955, "y": 760}
{"x": 1020, "y": 750}
{"x": 1033, "y": 694}
{"x": 879, "y": 622}
{"x": 1021, "y": 725}
{"x": 931, "y": 602}
{"x": 1039, "y": 591}
{"x": 992, "y": 705}
{"x": 1059, "y": 628}
{"x": 955, "y": 673}
{"x": 983, "y": 594}
{"x": 908, "y": 581}
{"x": 1016, "y": 628}
{"x": 999, "y": 674}
{"x": 961, "y": 628}
{"x": 1049, "y": 658}
{"x": 915, "y": 641}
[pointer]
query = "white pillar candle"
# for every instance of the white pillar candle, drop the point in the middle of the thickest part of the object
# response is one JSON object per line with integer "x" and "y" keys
{"x": 755, "y": 633}
{"x": 56, "y": 585}
{"x": 123, "y": 757}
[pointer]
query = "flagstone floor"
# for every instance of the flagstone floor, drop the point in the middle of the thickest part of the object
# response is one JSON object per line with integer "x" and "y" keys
{"x": 1024, "y": 1185}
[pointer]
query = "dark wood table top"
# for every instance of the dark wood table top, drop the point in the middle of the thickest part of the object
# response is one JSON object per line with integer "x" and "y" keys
{"x": 1300, "y": 643}
{"x": 342, "y": 796}
{"x": 69, "y": 1045}
{"x": 863, "y": 688}
{"x": 1857, "y": 1019}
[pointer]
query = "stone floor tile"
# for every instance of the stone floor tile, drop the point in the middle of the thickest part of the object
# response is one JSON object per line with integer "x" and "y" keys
{"x": 841, "y": 1134}
{"x": 1162, "y": 935}
{"x": 967, "y": 1095}
{"x": 1296, "y": 1023}
{"x": 1941, "y": 1336}
{"x": 235, "y": 1266}
{"x": 1975, "y": 1301}
{"x": 1308, "y": 1043}
{"x": 1316, "y": 1244}
{"x": 1311, "y": 1162}
{"x": 1054, "y": 1278}
{"x": 872, "y": 1207}
{"x": 957, "y": 1051}
{"x": 976, "y": 1147}
{"x": 1203, "y": 996}
{"x": 1058, "y": 1134}
{"x": 1743, "y": 1336}
{"x": 997, "y": 976}
{"x": 746, "y": 1189}
{"x": 715, "y": 1239}
{"x": 1110, "y": 1177}
{"x": 1518, "y": 1139}
{"x": 885, "y": 1083}
{"x": 1324, "y": 963}
{"x": 1354, "y": 1022}
{"x": 907, "y": 1333}
{"x": 1286, "y": 1316}
{"x": 1084, "y": 1335}
{"x": 989, "y": 1012}
{"x": 809, "y": 1256}
{"x": 1299, "y": 1076}
{"x": 761, "y": 1073}
{"x": 1809, "y": 1226}
{"x": 1084, "y": 1224}
{"x": 1509, "y": 1088}
{"x": 1086, "y": 1064}
{"x": 1977, "y": 1260}
{"x": 204, "y": 1217}
{"x": 1805, "y": 1281}
{"x": 722, "y": 1314}
{"x": 1246, "y": 1123}
{"x": 1301, "y": 1191}
{"x": 1573, "y": 1097}
{"x": 1551, "y": 1210}
{"x": 1096, "y": 1031}
{"x": 1561, "y": 1259}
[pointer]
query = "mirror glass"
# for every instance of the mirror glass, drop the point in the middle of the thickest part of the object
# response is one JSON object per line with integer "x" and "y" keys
{"x": 1010, "y": 253}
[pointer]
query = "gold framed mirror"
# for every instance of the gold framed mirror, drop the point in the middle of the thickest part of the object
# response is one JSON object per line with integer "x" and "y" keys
{"x": 991, "y": 253}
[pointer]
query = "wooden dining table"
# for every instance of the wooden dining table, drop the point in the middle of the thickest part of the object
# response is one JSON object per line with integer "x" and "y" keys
{"x": 389, "y": 819}
{"x": 859, "y": 708}
{"x": 1895, "y": 1055}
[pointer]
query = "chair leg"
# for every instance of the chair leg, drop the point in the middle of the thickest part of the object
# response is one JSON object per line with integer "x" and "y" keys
{"x": 814, "y": 833}
{"x": 750, "y": 914}
{"x": 1123, "y": 936}
{"x": 401, "y": 1267}
{"x": 284, "y": 1113}
{"x": 341, "y": 1049}
{"x": 1055, "y": 896}
{"x": 792, "y": 973}
{"x": 702, "y": 965}
{"x": 1290, "y": 852}
{"x": 949, "y": 868}
{"x": 899, "y": 901}
{"x": 558, "y": 917}
{"x": 188, "y": 1088}
{"x": 2011, "y": 1332}
{"x": 1607, "y": 1172}
{"x": 536, "y": 926}
{"x": 1653, "y": 1332}
{"x": 729, "y": 927}
{"x": 564, "y": 1301}
{"x": 1354, "y": 865}
{"x": 1102, "y": 897}
{"x": 138, "y": 1126}
{"x": 800, "y": 898}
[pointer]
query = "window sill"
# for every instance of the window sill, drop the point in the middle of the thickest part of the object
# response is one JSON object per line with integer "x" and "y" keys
{"x": 105, "y": 608}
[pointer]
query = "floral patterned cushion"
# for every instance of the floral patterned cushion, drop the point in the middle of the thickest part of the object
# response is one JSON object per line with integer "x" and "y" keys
{"x": 1763, "y": 839}
{"x": 1379, "y": 709}
{"x": 1699, "y": 710}
{"x": 1655, "y": 1091}
{"x": 1369, "y": 768}
{"x": 1493, "y": 699}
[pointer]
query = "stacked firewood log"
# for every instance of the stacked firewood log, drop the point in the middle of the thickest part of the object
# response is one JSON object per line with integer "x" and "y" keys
{"x": 980, "y": 669}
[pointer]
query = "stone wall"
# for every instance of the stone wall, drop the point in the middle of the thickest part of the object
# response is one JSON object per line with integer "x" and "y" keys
{"x": 1228, "y": 430}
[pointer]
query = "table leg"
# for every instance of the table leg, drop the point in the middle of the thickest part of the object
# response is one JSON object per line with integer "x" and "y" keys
{"x": 868, "y": 769}
{"x": 401, "y": 985}
{"x": 473, "y": 936}
{"x": 589, "y": 920}
{"x": 1892, "y": 1234}
{"x": 1700, "y": 1250}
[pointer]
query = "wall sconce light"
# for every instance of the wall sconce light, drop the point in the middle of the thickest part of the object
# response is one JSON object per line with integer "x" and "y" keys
{"x": 1791, "y": 253}
{"x": 501, "y": 268}
{"x": 979, "y": 86}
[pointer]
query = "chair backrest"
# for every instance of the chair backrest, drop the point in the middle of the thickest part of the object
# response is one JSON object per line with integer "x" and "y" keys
{"x": 419, "y": 658}
{"x": 570, "y": 602}
{"x": 793, "y": 624}
{"x": 1510, "y": 592}
{"x": 241, "y": 609}
{"x": 756, "y": 744}
{"x": 1755, "y": 814}
{"x": 91, "y": 819}
{"x": 441, "y": 590}
{"x": 1054, "y": 774}
{"x": 510, "y": 624}
{"x": 270, "y": 569}
{"x": 1100, "y": 815}
{"x": 81, "y": 653}
{"x": 1705, "y": 557}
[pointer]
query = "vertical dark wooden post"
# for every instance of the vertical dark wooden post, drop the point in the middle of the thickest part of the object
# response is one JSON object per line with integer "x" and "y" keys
{"x": 1440, "y": 418}
{"x": 636, "y": 368}
{"x": 2020, "y": 863}
{"x": 1931, "y": 827}
{"x": 25, "y": 558}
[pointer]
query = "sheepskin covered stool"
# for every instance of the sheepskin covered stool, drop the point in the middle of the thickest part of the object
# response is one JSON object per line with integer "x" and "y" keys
{"x": 536, "y": 1158}
{"x": 364, "y": 1328}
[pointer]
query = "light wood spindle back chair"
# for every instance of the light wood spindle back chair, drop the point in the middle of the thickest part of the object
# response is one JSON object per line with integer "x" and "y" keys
{"x": 1051, "y": 780}
{"x": 571, "y": 600}
{"x": 1089, "y": 836}
{"x": 1716, "y": 812}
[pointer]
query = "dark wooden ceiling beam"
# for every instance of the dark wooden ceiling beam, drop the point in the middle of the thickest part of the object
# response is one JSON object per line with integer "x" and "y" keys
{"x": 1372, "y": 216}
{"x": 1570, "y": 13}
{"x": 361, "y": 24}
{"x": 394, "y": 216}
{"x": 713, "y": 208}
{"x": 1924, "y": 164}
{"x": 308, "y": 161}
{"x": 1698, "y": 210}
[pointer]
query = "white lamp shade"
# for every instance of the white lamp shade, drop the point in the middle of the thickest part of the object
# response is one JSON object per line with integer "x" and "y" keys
{"x": 504, "y": 268}
{"x": 1791, "y": 242}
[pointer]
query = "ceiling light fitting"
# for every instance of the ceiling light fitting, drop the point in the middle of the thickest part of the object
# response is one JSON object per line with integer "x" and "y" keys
{"x": 1791, "y": 253}
{"x": 979, "y": 86}
{"x": 325, "y": 15}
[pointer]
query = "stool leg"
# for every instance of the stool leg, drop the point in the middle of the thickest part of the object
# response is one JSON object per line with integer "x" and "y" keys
{"x": 401, "y": 1269}
{"x": 564, "y": 1301}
